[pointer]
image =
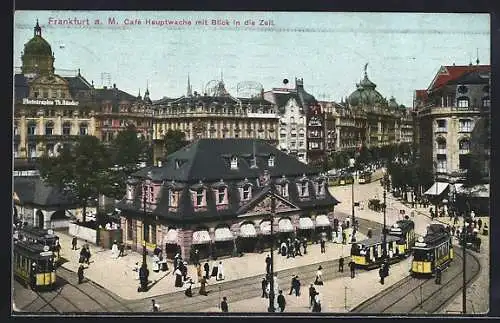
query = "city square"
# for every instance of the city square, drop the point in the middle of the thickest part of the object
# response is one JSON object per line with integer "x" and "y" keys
{"x": 274, "y": 192}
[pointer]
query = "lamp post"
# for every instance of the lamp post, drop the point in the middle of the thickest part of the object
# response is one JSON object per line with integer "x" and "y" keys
{"x": 436, "y": 197}
{"x": 352, "y": 162}
{"x": 385, "y": 263}
{"x": 464, "y": 266}
{"x": 271, "y": 283}
{"x": 144, "y": 251}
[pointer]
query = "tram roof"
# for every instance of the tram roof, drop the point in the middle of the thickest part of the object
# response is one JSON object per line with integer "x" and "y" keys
{"x": 375, "y": 240}
{"x": 30, "y": 249}
{"x": 36, "y": 232}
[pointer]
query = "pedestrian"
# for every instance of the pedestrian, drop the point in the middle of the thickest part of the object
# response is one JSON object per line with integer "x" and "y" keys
{"x": 155, "y": 307}
{"x": 297, "y": 286}
{"x": 223, "y": 305}
{"x": 196, "y": 257}
{"x": 352, "y": 267}
{"x": 312, "y": 292}
{"x": 341, "y": 264}
{"x": 322, "y": 245}
{"x": 114, "y": 250}
{"x": 281, "y": 301}
{"x": 344, "y": 237}
{"x": 268, "y": 264}
{"x": 136, "y": 269}
{"x": 292, "y": 284}
{"x": 87, "y": 254}
{"x": 319, "y": 277}
{"x": 438, "y": 276}
{"x": 178, "y": 277}
{"x": 184, "y": 271}
{"x": 304, "y": 244}
{"x": 316, "y": 303}
{"x": 80, "y": 274}
{"x": 144, "y": 277}
{"x": 156, "y": 263}
{"x": 264, "y": 288}
{"x": 215, "y": 270}
{"x": 83, "y": 255}
{"x": 220, "y": 271}
{"x": 203, "y": 286}
{"x": 206, "y": 267}
{"x": 283, "y": 249}
{"x": 369, "y": 233}
{"x": 297, "y": 248}
{"x": 189, "y": 292}
{"x": 177, "y": 261}
{"x": 121, "y": 247}
{"x": 57, "y": 248}
{"x": 479, "y": 223}
{"x": 74, "y": 243}
{"x": 199, "y": 272}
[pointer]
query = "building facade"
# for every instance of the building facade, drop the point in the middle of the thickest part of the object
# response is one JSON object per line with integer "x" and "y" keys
{"x": 51, "y": 110}
{"x": 218, "y": 115}
{"x": 215, "y": 196}
{"x": 301, "y": 122}
{"x": 453, "y": 116}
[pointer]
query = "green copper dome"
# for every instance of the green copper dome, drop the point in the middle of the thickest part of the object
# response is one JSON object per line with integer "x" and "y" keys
{"x": 37, "y": 45}
{"x": 365, "y": 94}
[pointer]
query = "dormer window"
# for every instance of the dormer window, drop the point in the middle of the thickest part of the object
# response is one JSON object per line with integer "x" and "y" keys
{"x": 303, "y": 188}
{"x": 320, "y": 187}
{"x": 246, "y": 192}
{"x": 283, "y": 189}
{"x": 253, "y": 162}
{"x": 130, "y": 192}
{"x": 270, "y": 161}
{"x": 177, "y": 164}
{"x": 173, "y": 198}
{"x": 221, "y": 195}
{"x": 234, "y": 162}
{"x": 199, "y": 198}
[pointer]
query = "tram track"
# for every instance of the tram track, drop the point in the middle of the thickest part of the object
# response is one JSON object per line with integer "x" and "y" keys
{"x": 414, "y": 295}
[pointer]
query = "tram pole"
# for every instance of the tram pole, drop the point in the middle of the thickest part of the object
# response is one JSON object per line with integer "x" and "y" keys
{"x": 271, "y": 283}
{"x": 464, "y": 266}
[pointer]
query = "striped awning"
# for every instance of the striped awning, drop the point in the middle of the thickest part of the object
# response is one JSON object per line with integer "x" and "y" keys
{"x": 171, "y": 236}
{"x": 265, "y": 227}
{"x": 285, "y": 225}
{"x": 322, "y": 221}
{"x": 247, "y": 230}
{"x": 223, "y": 234}
{"x": 437, "y": 188}
{"x": 306, "y": 223}
{"x": 201, "y": 237}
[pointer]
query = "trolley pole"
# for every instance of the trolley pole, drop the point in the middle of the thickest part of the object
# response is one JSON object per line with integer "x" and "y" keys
{"x": 464, "y": 254}
{"x": 271, "y": 283}
{"x": 352, "y": 162}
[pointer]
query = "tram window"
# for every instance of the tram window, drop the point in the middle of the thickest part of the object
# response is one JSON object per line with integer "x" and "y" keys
{"x": 420, "y": 255}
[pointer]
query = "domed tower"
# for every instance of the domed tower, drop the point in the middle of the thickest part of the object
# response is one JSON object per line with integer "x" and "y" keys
{"x": 365, "y": 94}
{"x": 37, "y": 57}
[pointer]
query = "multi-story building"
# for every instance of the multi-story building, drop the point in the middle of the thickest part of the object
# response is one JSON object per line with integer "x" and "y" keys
{"x": 301, "y": 122}
{"x": 386, "y": 122}
{"x": 453, "y": 116}
{"x": 218, "y": 115}
{"x": 215, "y": 195}
{"x": 50, "y": 109}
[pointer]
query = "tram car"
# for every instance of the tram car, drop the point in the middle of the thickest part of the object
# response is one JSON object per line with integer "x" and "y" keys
{"x": 405, "y": 230}
{"x": 368, "y": 253}
{"x": 38, "y": 235}
{"x": 33, "y": 265}
{"x": 432, "y": 251}
{"x": 365, "y": 177}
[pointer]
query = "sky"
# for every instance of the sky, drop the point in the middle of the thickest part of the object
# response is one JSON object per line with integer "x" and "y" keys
{"x": 328, "y": 50}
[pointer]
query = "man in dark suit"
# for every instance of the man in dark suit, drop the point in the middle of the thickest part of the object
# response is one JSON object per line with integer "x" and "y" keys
{"x": 281, "y": 301}
{"x": 223, "y": 305}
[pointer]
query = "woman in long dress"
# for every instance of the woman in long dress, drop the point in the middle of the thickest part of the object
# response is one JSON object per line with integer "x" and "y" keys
{"x": 319, "y": 277}
{"x": 220, "y": 269}
{"x": 203, "y": 288}
{"x": 215, "y": 270}
{"x": 178, "y": 278}
{"x": 188, "y": 292}
{"x": 156, "y": 265}
{"x": 114, "y": 250}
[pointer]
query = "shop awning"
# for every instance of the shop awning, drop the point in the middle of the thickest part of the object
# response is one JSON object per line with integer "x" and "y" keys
{"x": 285, "y": 225}
{"x": 171, "y": 236}
{"x": 247, "y": 230}
{"x": 201, "y": 237}
{"x": 475, "y": 191}
{"x": 437, "y": 188}
{"x": 223, "y": 234}
{"x": 306, "y": 223}
{"x": 265, "y": 227}
{"x": 322, "y": 221}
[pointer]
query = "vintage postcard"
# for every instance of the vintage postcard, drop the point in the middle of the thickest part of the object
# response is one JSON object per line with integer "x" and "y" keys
{"x": 196, "y": 162}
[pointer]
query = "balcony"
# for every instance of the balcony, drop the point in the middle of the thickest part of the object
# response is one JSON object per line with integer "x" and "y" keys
{"x": 464, "y": 130}
{"x": 39, "y": 138}
{"x": 441, "y": 151}
{"x": 463, "y": 151}
{"x": 441, "y": 130}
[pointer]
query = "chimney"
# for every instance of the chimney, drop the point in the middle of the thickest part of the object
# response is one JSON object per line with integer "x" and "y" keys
{"x": 114, "y": 85}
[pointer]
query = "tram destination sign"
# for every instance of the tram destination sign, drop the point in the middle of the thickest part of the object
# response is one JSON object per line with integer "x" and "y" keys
{"x": 49, "y": 102}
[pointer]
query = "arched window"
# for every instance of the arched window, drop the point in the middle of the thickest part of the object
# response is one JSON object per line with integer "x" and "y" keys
{"x": 84, "y": 129}
{"x": 464, "y": 146}
{"x": 32, "y": 128}
{"x": 66, "y": 128}
{"x": 292, "y": 119}
{"x": 49, "y": 128}
{"x": 301, "y": 120}
{"x": 441, "y": 143}
{"x": 463, "y": 102}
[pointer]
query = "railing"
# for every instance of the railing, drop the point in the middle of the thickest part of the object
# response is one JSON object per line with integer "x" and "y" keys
{"x": 441, "y": 129}
{"x": 441, "y": 151}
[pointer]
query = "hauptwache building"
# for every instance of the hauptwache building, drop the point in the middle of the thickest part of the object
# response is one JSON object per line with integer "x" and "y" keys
{"x": 215, "y": 195}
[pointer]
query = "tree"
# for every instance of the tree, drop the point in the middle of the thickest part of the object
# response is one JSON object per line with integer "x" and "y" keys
{"x": 174, "y": 140}
{"x": 127, "y": 150}
{"x": 81, "y": 169}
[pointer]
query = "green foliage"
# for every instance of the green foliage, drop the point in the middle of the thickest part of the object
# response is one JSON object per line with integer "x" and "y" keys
{"x": 81, "y": 169}
{"x": 337, "y": 160}
{"x": 174, "y": 140}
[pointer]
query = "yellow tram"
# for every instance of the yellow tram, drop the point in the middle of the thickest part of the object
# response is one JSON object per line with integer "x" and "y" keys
{"x": 365, "y": 177}
{"x": 434, "y": 250}
{"x": 405, "y": 230}
{"x": 33, "y": 265}
{"x": 368, "y": 253}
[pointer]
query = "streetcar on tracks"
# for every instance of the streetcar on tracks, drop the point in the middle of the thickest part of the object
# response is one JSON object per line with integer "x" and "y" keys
{"x": 33, "y": 265}
{"x": 365, "y": 177}
{"x": 38, "y": 235}
{"x": 432, "y": 251}
{"x": 400, "y": 238}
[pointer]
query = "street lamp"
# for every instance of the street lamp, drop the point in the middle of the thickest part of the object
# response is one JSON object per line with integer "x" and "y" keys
{"x": 144, "y": 252}
{"x": 385, "y": 264}
{"x": 352, "y": 162}
{"x": 436, "y": 197}
{"x": 271, "y": 283}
